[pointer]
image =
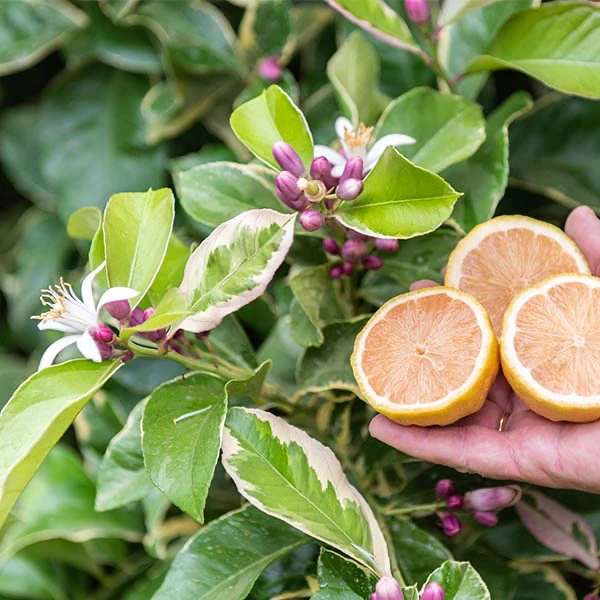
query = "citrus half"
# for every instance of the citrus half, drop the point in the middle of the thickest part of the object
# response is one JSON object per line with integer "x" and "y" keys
{"x": 427, "y": 357}
{"x": 551, "y": 347}
{"x": 502, "y": 256}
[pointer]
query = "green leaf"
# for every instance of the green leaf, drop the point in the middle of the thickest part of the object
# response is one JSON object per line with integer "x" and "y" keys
{"x": 137, "y": 228}
{"x": 171, "y": 270}
{"x": 266, "y": 28}
{"x": 447, "y": 128}
{"x": 342, "y": 579}
{"x": 328, "y": 366}
{"x": 541, "y": 581}
{"x": 418, "y": 552}
{"x": 231, "y": 342}
{"x": 460, "y": 582}
{"x": 181, "y": 435}
{"x": 399, "y": 200}
{"x": 84, "y": 223}
{"x": 233, "y": 266}
{"x": 25, "y": 576}
{"x": 555, "y": 43}
{"x": 37, "y": 415}
{"x": 67, "y": 512}
{"x": 31, "y": 30}
{"x": 122, "y": 477}
{"x": 224, "y": 559}
{"x": 289, "y": 475}
{"x": 270, "y": 118}
{"x": 118, "y": 9}
{"x": 549, "y": 149}
{"x": 219, "y": 191}
{"x": 13, "y": 370}
{"x": 378, "y": 18}
{"x": 354, "y": 72}
{"x": 101, "y": 119}
{"x": 197, "y": 36}
{"x": 483, "y": 177}
{"x": 453, "y": 10}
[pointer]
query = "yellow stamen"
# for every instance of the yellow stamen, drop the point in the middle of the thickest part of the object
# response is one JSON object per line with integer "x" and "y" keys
{"x": 54, "y": 298}
{"x": 358, "y": 137}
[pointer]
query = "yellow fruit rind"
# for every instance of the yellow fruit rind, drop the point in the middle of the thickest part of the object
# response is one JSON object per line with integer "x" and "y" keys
{"x": 461, "y": 406}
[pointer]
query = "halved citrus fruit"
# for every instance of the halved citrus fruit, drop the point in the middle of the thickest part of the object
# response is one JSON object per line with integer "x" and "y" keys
{"x": 502, "y": 256}
{"x": 427, "y": 357}
{"x": 551, "y": 347}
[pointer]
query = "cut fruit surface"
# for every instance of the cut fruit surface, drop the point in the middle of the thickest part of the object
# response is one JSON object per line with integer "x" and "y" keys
{"x": 427, "y": 357}
{"x": 502, "y": 256}
{"x": 551, "y": 347}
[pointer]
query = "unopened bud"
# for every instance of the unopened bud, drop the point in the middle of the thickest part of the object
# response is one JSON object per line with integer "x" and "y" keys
{"x": 373, "y": 596}
{"x": 119, "y": 309}
{"x": 356, "y": 235}
{"x": 451, "y": 524}
{"x": 300, "y": 204}
{"x": 455, "y": 502}
{"x": 487, "y": 519}
{"x": 312, "y": 220}
{"x": 347, "y": 267}
{"x": 354, "y": 250}
{"x": 349, "y": 189}
{"x": 353, "y": 169}
{"x": 388, "y": 588}
{"x": 372, "y": 262}
{"x": 320, "y": 168}
{"x": 202, "y": 335}
{"x": 270, "y": 69}
{"x": 314, "y": 190}
{"x": 103, "y": 334}
{"x": 176, "y": 348}
{"x": 386, "y": 245}
{"x": 137, "y": 317}
{"x": 287, "y": 184}
{"x": 331, "y": 246}
{"x": 288, "y": 158}
{"x": 418, "y": 11}
{"x": 106, "y": 351}
{"x": 149, "y": 312}
{"x": 336, "y": 272}
{"x": 494, "y": 498}
{"x": 127, "y": 356}
{"x": 433, "y": 591}
{"x": 444, "y": 488}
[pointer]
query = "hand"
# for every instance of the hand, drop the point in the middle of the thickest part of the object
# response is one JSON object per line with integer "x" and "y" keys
{"x": 529, "y": 448}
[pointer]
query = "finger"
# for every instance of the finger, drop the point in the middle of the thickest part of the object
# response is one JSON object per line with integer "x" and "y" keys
{"x": 423, "y": 283}
{"x": 584, "y": 228}
{"x": 469, "y": 448}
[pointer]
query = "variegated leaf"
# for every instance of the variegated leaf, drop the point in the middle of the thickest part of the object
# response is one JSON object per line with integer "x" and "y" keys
{"x": 234, "y": 265}
{"x": 287, "y": 474}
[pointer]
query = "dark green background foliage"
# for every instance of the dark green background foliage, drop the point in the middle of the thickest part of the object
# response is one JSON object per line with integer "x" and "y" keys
{"x": 124, "y": 95}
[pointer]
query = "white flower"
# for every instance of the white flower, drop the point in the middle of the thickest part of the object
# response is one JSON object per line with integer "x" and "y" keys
{"x": 355, "y": 142}
{"x": 79, "y": 318}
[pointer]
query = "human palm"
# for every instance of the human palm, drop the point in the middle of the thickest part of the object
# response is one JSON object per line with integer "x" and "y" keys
{"x": 526, "y": 447}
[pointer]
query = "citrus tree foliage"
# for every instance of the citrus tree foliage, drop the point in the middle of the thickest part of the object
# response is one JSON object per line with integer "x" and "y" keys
{"x": 211, "y": 442}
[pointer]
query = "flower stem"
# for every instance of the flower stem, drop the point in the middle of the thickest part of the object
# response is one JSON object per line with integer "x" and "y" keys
{"x": 417, "y": 508}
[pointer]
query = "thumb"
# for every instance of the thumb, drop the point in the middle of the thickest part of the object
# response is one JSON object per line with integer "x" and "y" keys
{"x": 584, "y": 228}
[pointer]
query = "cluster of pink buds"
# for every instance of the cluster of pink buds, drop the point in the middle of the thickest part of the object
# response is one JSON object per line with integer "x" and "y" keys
{"x": 121, "y": 311}
{"x": 270, "y": 69}
{"x": 388, "y": 588}
{"x": 310, "y": 193}
{"x": 482, "y": 504}
{"x": 357, "y": 251}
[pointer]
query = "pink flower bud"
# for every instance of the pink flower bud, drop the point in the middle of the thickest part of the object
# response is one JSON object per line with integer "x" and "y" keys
{"x": 373, "y": 263}
{"x": 386, "y": 245}
{"x": 354, "y": 250}
{"x": 349, "y": 189}
{"x": 106, "y": 351}
{"x": 270, "y": 69}
{"x": 347, "y": 268}
{"x": 487, "y": 519}
{"x": 137, "y": 317}
{"x": 336, "y": 272}
{"x": 353, "y": 169}
{"x": 356, "y": 235}
{"x": 312, "y": 220}
{"x": 455, "y": 502}
{"x": 388, "y": 588}
{"x": 288, "y": 158}
{"x": 299, "y": 204}
{"x": 433, "y": 591}
{"x": 103, "y": 334}
{"x": 119, "y": 309}
{"x": 149, "y": 312}
{"x": 591, "y": 597}
{"x": 444, "y": 488}
{"x": 287, "y": 184}
{"x": 494, "y": 498}
{"x": 331, "y": 246}
{"x": 127, "y": 356}
{"x": 202, "y": 335}
{"x": 176, "y": 348}
{"x": 418, "y": 11}
{"x": 451, "y": 524}
{"x": 320, "y": 168}
{"x": 179, "y": 334}
{"x": 373, "y": 596}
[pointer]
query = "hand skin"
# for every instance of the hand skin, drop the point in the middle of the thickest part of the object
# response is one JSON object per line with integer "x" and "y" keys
{"x": 529, "y": 448}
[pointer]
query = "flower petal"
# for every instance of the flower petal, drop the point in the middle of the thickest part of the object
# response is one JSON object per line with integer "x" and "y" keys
{"x": 394, "y": 139}
{"x": 335, "y": 158}
{"x": 338, "y": 169}
{"x": 341, "y": 126}
{"x": 87, "y": 293}
{"x": 87, "y": 346}
{"x": 53, "y": 349}
{"x": 52, "y": 325}
{"x": 114, "y": 294}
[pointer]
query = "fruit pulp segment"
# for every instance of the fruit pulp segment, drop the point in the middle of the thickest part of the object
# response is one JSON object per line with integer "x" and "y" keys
{"x": 422, "y": 349}
{"x": 558, "y": 339}
{"x": 507, "y": 261}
